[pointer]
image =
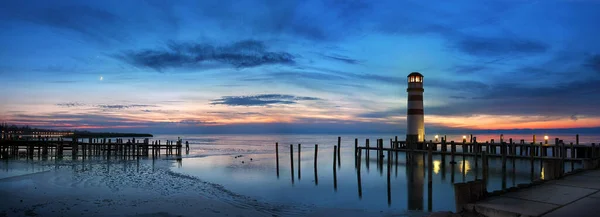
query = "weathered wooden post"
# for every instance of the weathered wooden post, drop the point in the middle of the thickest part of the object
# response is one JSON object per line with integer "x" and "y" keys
{"x": 462, "y": 195}
{"x": 367, "y": 150}
{"x": 335, "y": 148}
{"x": 476, "y": 158}
{"x": 503, "y": 151}
{"x": 452, "y": 152}
{"x": 484, "y": 162}
{"x": 389, "y": 186}
{"x": 562, "y": 159}
{"x": 299, "y": 162}
{"x": 277, "y": 158}
{"x": 531, "y": 160}
{"x": 339, "y": 150}
{"x": 355, "y": 147}
{"x": 554, "y": 147}
{"x": 464, "y": 163}
{"x": 316, "y": 152}
{"x": 358, "y": 174}
{"x": 367, "y": 154}
{"x": 380, "y": 150}
{"x": 430, "y": 175}
{"x": 292, "y": 161}
{"x": 572, "y": 158}
{"x": 396, "y": 142}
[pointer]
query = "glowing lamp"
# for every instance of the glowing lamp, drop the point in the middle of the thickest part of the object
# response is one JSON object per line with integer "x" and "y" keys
{"x": 464, "y": 137}
{"x": 545, "y": 137}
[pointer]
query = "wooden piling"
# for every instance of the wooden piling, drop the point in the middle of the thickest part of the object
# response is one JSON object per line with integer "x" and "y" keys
{"x": 389, "y": 186}
{"x": 367, "y": 150}
{"x": 562, "y": 159}
{"x": 277, "y": 158}
{"x": 316, "y": 155}
{"x": 358, "y": 176}
{"x": 339, "y": 150}
{"x": 531, "y": 160}
{"x": 299, "y": 162}
{"x": 503, "y": 151}
{"x": 572, "y": 157}
{"x": 452, "y": 152}
{"x": 335, "y": 148}
{"x": 429, "y": 175}
{"x": 355, "y": 147}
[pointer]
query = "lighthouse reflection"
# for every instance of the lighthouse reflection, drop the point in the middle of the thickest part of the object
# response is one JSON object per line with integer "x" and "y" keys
{"x": 415, "y": 173}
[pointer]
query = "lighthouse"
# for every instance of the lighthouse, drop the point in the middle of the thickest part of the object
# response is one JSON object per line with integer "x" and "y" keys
{"x": 415, "y": 131}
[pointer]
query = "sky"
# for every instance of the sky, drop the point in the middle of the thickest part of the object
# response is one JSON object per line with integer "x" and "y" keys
{"x": 298, "y": 66}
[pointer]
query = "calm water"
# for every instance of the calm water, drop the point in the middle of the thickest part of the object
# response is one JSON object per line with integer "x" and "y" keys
{"x": 246, "y": 165}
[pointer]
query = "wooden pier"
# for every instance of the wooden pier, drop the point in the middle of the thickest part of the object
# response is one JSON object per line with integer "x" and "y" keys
{"x": 79, "y": 147}
{"x": 553, "y": 161}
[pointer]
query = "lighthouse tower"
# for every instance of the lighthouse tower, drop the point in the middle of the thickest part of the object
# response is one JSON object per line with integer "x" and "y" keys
{"x": 415, "y": 131}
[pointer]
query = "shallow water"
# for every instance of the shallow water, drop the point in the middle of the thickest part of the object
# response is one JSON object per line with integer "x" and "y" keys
{"x": 246, "y": 165}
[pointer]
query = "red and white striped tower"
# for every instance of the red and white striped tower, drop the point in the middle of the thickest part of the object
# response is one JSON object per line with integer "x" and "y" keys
{"x": 415, "y": 131}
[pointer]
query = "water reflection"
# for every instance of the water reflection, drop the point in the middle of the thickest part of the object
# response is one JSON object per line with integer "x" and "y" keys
{"x": 465, "y": 166}
{"x": 436, "y": 166}
{"x": 415, "y": 181}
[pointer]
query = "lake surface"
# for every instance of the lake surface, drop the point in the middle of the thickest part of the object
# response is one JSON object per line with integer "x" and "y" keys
{"x": 247, "y": 165}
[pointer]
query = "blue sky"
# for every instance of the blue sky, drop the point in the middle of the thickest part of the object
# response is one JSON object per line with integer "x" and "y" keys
{"x": 200, "y": 66}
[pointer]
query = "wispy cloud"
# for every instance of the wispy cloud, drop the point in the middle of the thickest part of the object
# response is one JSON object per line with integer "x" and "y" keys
{"x": 261, "y": 100}
{"x": 122, "y": 106}
{"x": 242, "y": 54}
{"x": 482, "y": 46}
{"x": 70, "y": 104}
{"x": 343, "y": 59}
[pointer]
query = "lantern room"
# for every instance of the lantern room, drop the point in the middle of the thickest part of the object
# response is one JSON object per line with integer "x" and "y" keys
{"x": 415, "y": 77}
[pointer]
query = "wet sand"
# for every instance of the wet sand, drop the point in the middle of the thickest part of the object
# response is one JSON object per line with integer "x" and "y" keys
{"x": 130, "y": 188}
{"x": 121, "y": 189}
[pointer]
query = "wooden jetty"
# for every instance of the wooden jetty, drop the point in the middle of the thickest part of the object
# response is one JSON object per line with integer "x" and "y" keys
{"x": 553, "y": 160}
{"x": 87, "y": 147}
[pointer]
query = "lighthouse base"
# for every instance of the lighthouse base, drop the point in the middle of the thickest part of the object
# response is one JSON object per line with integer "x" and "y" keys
{"x": 412, "y": 141}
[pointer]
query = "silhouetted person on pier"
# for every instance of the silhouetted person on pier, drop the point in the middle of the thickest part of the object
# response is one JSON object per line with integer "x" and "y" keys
{"x": 187, "y": 146}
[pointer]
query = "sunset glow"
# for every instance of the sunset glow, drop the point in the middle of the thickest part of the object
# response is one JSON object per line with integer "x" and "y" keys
{"x": 344, "y": 66}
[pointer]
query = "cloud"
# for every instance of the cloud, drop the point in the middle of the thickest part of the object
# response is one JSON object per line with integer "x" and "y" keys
{"x": 383, "y": 114}
{"x": 123, "y": 106}
{"x": 481, "y": 46}
{"x": 468, "y": 69}
{"x": 343, "y": 59}
{"x": 516, "y": 99}
{"x": 70, "y": 104}
{"x": 574, "y": 117}
{"x": 90, "y": 22}
{"x": 242, "y": 54}
{"x": 260, "y": 100}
